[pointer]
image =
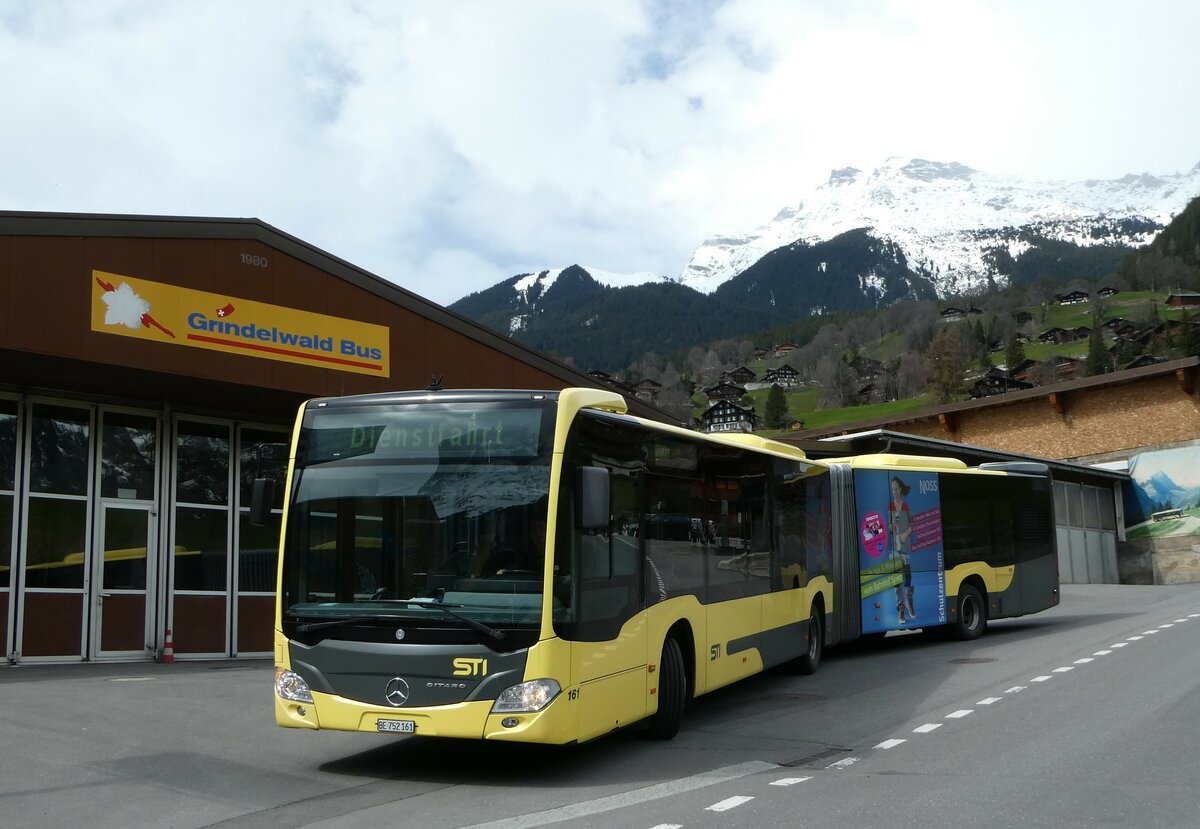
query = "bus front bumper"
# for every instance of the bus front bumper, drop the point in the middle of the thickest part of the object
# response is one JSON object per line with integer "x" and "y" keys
{"x": 554, "y": 724}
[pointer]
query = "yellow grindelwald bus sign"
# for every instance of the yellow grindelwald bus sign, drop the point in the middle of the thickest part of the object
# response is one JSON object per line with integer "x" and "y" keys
{"x": 148, "y": 310}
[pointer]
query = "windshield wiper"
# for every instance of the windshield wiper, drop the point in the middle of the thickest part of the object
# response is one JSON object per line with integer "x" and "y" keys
{"x": 444, "y": 608}
{"x": 348, "y": 620}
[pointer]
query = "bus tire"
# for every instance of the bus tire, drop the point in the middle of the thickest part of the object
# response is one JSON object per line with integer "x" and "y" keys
{"x": 807, "y": 663}
{"x": 971, "y": 619}
{"x": 672, "y": 692}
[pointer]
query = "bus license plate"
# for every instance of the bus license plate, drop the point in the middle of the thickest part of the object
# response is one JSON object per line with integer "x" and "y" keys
{"x": 397, "y": 726}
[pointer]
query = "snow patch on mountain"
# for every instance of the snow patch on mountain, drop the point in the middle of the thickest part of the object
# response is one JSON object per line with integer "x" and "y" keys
{"x": 945, "y": 217}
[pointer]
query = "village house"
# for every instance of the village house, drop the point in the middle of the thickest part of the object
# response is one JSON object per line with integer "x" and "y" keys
{"x": 996, "y": 381}
{"x": 1073, "y": 298}
{"x": 727, "y": 416}
{"x": 784, "y": 376}
{"x": 1183, "y": 301}
{"x": 647, "y": 390}
{"x": 725, "y": 391}
{"x": 740, "y": 375}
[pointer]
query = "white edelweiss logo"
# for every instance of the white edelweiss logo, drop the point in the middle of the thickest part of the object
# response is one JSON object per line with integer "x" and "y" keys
{"x": 125, "y": 307}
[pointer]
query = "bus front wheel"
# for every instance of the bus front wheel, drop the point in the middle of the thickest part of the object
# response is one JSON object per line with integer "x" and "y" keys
{"x": 972, "y": 614}
{"x": 672, "y": 692}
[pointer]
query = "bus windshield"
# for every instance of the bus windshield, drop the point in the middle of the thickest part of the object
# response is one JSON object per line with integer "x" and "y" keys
{"x": 429, "y": 514}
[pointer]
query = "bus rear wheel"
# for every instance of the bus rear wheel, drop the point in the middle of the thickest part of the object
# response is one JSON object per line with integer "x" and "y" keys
{"x": 807, "y": 662}
{"x": 672, "y": 692}
{"x": 971, "y": 619}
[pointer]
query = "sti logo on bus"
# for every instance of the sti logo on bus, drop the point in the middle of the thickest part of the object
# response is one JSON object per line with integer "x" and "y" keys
{"x": 470, "y": 666}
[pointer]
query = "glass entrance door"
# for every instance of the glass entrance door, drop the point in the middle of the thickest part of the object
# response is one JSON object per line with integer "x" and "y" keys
{"x": 123, "y": 557}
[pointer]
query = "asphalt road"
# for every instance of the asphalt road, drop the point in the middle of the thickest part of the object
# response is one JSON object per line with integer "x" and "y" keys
{"x": 1079, "y": 716}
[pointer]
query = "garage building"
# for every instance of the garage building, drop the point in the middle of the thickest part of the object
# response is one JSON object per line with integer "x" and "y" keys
{"x": 143, "y": 361}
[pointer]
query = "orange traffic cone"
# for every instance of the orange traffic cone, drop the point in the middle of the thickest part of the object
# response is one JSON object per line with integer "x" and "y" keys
{"x": 168, "y": 654}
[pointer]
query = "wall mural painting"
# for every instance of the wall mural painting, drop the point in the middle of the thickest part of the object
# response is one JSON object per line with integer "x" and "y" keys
{"x": 1164, "y": 496}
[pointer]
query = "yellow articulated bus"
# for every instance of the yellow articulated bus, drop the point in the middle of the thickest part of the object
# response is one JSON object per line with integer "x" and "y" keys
{"x": 543, "y": 567}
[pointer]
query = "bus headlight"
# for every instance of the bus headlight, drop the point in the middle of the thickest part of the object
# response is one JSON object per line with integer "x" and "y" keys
{"x": 527, "y": 697}
{"x": 290, "y": 685}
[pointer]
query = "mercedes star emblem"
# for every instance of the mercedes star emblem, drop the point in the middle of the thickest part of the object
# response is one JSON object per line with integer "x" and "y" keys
{"x": 396, "y": 691}
{"x": 399, "y": 633}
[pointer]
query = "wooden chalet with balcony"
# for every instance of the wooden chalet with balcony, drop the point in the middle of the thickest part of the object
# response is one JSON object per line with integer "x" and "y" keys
{"x": 727, "y": 416}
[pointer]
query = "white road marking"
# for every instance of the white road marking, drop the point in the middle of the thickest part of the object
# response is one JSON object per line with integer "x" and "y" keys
{"x": 729, "y": 803}
{"x": 1177, "y": 621}
{"x": 1063, "y": 670}
{"x": 927, "y": 727}
{"x": 631, "y": 798}
{"x": 959, "y": 714}
{"x": 988, "y": 701}
{"x": 1084, "y": 660}
{"x": 1167, "y": 625}
{"x": 1016, "y": 689}
{"x": 668, "y": 826}
{"x": 1101, "y": 653}
{"x": 789, "y": 781}
{"x": 1149, "y": 632}
{"x": 1041, "y": 678}
{"x": 886, "y": 744}
{"x": 1135, "y": 638}
{"x": 1118, "y": 644}
{"x": 1194, "y": 615}
{"x": 132, "y": 678}
{"x": 843, "y": 764}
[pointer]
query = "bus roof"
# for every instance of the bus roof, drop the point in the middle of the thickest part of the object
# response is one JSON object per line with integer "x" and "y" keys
{"x": 899, "y": 461}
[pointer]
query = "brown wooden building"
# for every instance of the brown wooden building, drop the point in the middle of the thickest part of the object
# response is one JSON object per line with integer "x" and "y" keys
{"x": 142, "y": 362}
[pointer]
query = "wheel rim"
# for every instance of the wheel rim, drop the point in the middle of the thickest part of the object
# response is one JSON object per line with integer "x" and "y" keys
{"x": 970, "y": 613}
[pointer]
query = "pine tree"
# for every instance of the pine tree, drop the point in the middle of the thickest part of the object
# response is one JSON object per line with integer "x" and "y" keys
{"x": 1014, "y": 353}
{"x": 775, "y": 412}
{"x": 1098, "y": 361}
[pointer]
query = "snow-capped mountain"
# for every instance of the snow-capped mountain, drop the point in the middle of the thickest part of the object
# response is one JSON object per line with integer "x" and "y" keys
{"x": 950, "y": 220}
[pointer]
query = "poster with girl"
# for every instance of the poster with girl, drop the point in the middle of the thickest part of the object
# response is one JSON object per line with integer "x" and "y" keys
{"x": 903, "y": 584}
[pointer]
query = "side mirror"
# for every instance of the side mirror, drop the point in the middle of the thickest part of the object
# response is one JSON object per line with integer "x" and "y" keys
{"x": 262, "y": 496}
{"x": 592, "y": 504}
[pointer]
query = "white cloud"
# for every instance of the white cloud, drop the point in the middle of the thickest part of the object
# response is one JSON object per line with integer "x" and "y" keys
{"x": 500, "y": 137}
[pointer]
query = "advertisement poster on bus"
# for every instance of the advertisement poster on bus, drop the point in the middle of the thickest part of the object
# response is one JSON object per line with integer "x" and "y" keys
{"x": 1162, "y": 497}
{"x": 903, "y": 583}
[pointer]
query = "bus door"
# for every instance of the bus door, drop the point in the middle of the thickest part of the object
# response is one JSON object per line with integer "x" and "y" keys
{"x": 605, "y": 624}
{"x": 1034, "y": 535}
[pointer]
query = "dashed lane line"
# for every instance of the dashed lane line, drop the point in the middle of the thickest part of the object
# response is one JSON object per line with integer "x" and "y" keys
{"x": 960, "y": 713}
{"x": 1084, "y": 660}
{"x": 886, "y": 744}
{"x": 789, "y": 781}
{"x": 843, "y": 764}
{"x": 1063, "y": 669}
{"x": 927, "y": 727}
{"x": 729, "y": 803}
{"x": 600, "y": 805}
{"x": 989, "y": 701}
{"x": 1118, "y": 644}
{"x": 1042, "y": 678}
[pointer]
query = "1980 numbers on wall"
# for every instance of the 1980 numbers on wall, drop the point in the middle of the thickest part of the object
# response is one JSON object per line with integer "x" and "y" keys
{"x": 252, "y": 259}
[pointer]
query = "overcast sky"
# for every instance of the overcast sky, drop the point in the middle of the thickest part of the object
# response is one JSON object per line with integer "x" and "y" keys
{"x": 448, "y": 145}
